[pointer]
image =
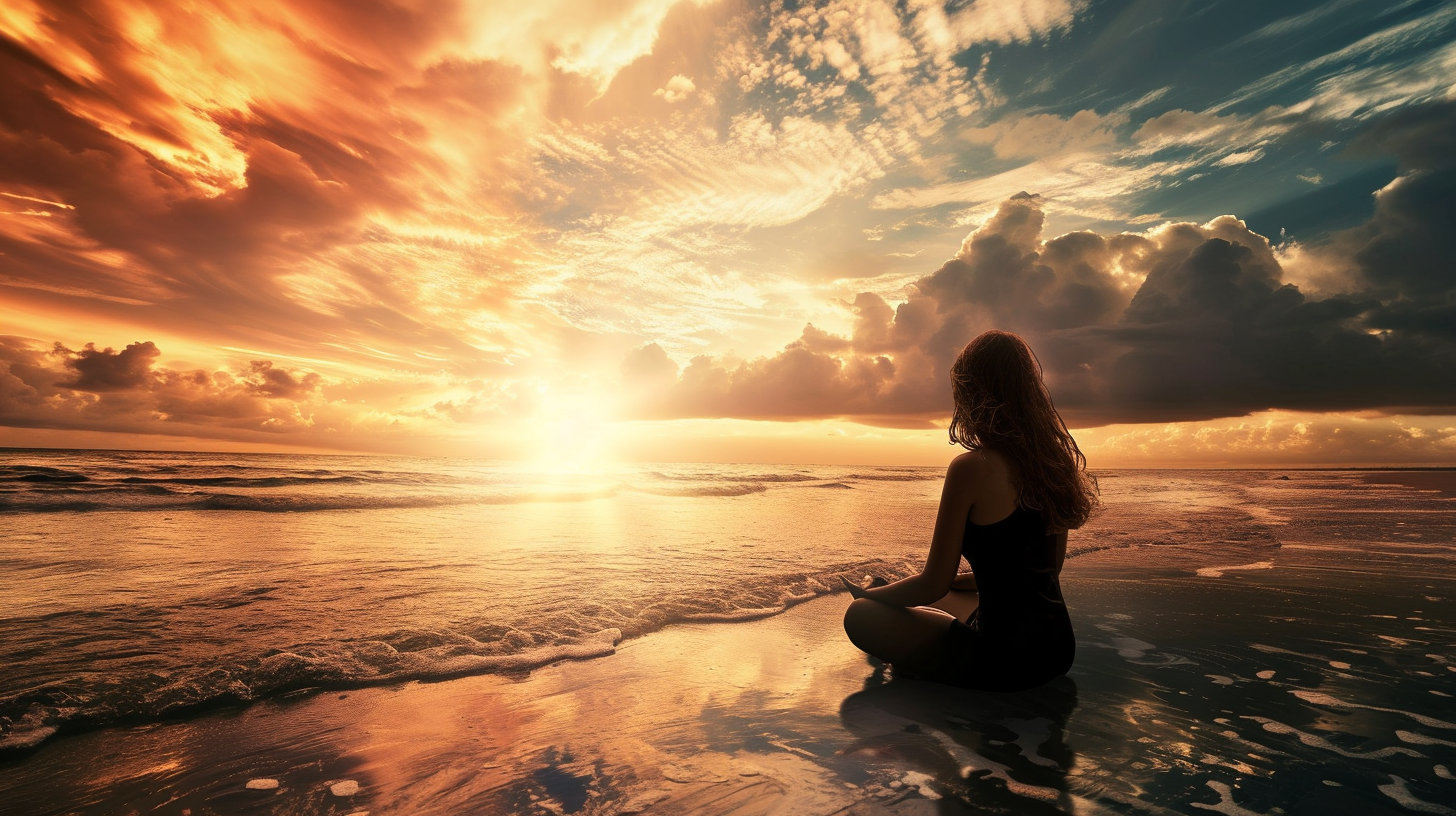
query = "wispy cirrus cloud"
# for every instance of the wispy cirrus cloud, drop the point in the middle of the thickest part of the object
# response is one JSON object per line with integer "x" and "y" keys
{"x": 1397, "y": 48}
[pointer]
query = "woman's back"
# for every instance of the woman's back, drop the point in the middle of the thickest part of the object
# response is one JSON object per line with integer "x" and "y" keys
{"x": 1020, "y": 635}
{"x": 1015, "y": 563}
{"x": 994, "y": 487}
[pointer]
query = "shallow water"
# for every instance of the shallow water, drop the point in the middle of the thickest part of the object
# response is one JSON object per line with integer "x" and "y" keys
{"x": 1207, "y": 603}
{"x": 127, "y": 604}
{"x": 147, "y": 585}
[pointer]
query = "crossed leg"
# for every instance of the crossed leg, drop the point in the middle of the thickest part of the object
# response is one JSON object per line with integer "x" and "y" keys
{"x": 904, "y": 637}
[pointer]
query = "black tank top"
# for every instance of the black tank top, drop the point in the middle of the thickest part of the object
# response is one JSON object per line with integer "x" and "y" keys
{"x": 1015, "y": 563}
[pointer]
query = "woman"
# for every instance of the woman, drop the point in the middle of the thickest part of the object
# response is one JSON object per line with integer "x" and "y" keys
{"x": 1007, "y": 505}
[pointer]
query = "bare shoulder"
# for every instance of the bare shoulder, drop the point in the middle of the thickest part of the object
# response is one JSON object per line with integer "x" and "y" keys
{"x": 963, "y": 479}
{"x": 969, "y": 472}
{"x": 978, "y": 464}
{"x": 968, "y": 467}
{"x": 983, "y": 478}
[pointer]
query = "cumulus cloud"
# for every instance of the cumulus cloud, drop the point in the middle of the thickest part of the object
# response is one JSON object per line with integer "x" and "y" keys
{"x": 266, "y": 379}
{"x": 1407, "y": 251}
{"x": 1401, "y": 259}
{"x": 676, "y": 90}
{"x": 1181, "y": 322}
{"x": 106, "y": 370}
{"x": 107, "y": 390}
{"x": 648, "y": 365}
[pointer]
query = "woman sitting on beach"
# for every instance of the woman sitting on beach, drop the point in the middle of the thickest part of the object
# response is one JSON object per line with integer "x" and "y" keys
{"x": 1007, "y": 505}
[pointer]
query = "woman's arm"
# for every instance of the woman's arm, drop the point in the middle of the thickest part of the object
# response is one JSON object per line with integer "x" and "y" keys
{"x": 945, "y": 544}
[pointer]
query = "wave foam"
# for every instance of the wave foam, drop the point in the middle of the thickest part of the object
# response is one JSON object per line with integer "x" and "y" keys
{"x": 89, "y": 699}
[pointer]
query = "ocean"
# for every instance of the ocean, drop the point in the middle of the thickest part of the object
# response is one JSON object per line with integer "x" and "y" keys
{"x": 157, "y": 587}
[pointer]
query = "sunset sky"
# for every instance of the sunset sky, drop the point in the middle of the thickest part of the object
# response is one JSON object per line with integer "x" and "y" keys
{"x": 727, "y": 231}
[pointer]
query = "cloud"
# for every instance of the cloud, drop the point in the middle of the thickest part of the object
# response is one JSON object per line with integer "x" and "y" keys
{"x": 1294, "y": 23}
{"x": 1275, "y": 438}
{"x": 281, "y": 192}
{"x": 1102, "y": 166}
{"x": 1182, "y": 322}
{"x": 268, "y": 380}
{"x": 1242, "y": 157}
{"x": 1112, "y": 167}
{"x": 1405, "y": 253}
{"x": 107, "y": 390}
{"x": 100, "y": 370}
{"x": 1008, "y": 21}
{"x": 648, "y": 365}
{"x": 676, "y": 90}
{"x": 1345, "y": 81}
{"x": 440, "y": 218}
{"x": 594, "y": 40}
{"x": 1043, "y": 134}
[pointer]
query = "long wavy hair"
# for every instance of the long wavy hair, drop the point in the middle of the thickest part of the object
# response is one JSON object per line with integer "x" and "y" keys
{"x": 1001, "y": 404}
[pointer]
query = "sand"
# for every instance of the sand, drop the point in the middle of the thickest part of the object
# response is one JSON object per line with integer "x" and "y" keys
{"x": 1250, "y": 691}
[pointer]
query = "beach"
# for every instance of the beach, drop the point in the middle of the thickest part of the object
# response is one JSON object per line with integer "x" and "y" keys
{"x": 1248, "y": 642}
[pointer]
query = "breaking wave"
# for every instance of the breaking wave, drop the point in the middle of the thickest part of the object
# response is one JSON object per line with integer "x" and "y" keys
{"x": 90, "y": 698}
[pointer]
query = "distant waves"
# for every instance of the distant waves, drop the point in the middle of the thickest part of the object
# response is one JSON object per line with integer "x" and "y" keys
{"x": 138, "y": 482}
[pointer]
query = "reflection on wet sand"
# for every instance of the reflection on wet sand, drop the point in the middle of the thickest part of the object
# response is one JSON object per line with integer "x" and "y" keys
{"x": 986, "y": 750}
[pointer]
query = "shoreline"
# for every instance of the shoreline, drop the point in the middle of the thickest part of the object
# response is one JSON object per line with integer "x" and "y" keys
{"x": 598, "y": 645}
{"x": 1174, "y": 672}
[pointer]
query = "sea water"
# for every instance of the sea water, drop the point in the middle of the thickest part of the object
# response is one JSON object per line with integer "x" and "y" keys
{"x": 142, "y": 586}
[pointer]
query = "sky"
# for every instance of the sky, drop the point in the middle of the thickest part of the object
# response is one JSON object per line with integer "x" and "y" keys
{"x": 728, "y": 231}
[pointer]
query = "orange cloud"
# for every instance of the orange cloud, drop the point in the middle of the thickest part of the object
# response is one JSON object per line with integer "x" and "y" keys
{"x": 260, "y": 170}
{"x": 107, "y": 390}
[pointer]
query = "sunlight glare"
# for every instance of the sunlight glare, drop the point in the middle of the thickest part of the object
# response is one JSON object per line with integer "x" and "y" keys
{"x": 571, "y": 431}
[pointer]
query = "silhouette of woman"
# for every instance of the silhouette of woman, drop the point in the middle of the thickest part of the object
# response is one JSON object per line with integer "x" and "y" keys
{"x": 1006, "y": 506}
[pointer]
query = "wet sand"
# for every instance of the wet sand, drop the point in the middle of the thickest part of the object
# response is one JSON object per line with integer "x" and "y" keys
{"x": 1316, "y": 684}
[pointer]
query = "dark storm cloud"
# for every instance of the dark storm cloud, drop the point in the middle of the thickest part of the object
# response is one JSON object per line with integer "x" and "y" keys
{"x": 1215, "y": 333}
{"x": 1184, "y": 322}
{"x": 1005, "y": 273}
{"x": 1407, "y": 251}
{"x": 106, "y": 370}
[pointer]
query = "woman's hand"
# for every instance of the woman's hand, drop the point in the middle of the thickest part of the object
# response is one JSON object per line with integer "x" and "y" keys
{"x": 854, "y": 589}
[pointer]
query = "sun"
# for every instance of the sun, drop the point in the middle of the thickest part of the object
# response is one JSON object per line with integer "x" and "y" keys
{"x": 573, "y": 429}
